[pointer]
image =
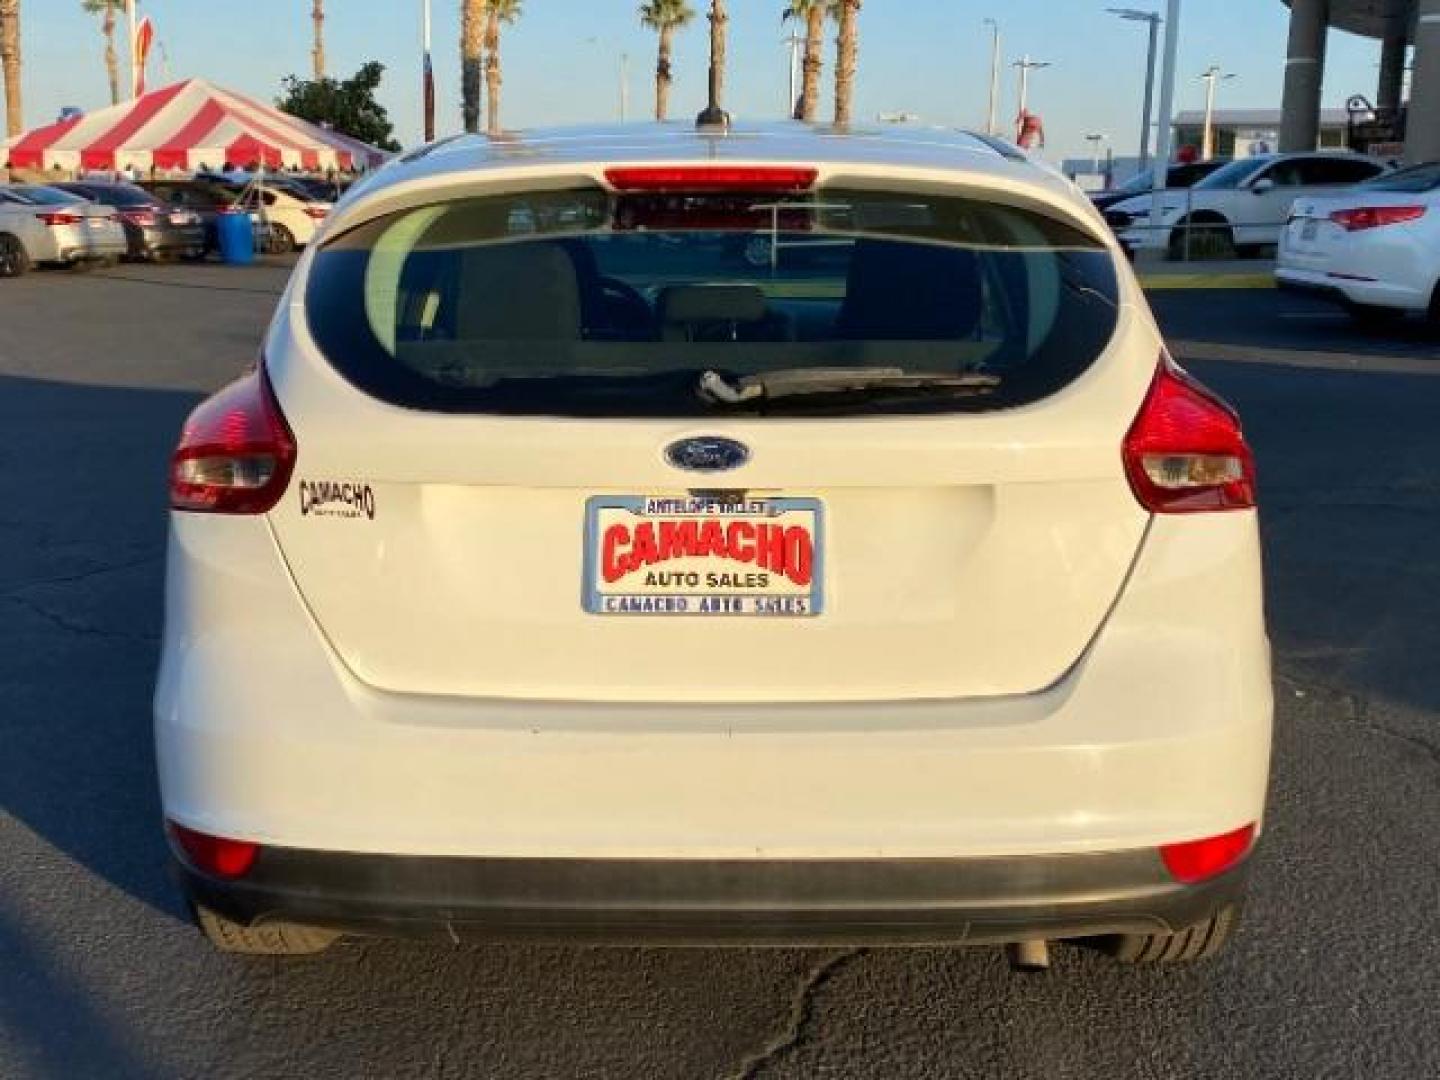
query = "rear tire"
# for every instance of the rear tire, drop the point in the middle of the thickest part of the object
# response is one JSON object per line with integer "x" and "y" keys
{"x": 282, "y": 240}
{"x": 267, "y": 939}
{"x": 1198, "y": 942}
{"x": 14, "y": 259}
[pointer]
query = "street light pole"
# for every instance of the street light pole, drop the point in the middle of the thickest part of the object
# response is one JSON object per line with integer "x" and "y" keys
{"x": 1095, "y": 139}
{"x": 130, "y": 39}
{"x": 1211, "y": 76}
{"x": 1164, "y": 135}
{"x": 990, "y": 116}
{"x": 1026, "y": 65}
{"x": 427, "y": 90}
{"x": 1154, "y": 19}
{"x": 795, "y": 41}
{"x": 624, "y": 87}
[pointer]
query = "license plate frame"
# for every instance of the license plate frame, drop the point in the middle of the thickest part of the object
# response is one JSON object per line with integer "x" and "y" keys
{"x": 711, "y": 583}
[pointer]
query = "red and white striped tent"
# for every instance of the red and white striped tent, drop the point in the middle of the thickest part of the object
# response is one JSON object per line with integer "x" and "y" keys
{"x": 186, "y": 126}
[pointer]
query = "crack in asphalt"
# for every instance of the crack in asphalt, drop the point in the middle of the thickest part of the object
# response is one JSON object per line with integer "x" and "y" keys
{"x": 802, "y": 1011}
{"x": 85, "y": 575}
{"x": 71, "y": 626}
{"x": 1358, "y": 707}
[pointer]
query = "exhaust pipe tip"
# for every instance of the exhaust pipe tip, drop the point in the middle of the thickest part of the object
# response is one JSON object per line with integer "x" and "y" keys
{"x": 1028, "y": 955}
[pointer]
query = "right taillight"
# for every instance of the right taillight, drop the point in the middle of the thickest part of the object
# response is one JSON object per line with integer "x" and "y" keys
{"x": 236, "y": 452}
{"x": 1375, "y": 217}
{"x": 1185, "y": 452}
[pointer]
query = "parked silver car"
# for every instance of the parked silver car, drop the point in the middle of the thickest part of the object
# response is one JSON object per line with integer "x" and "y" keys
{"x": 43, "y": 225}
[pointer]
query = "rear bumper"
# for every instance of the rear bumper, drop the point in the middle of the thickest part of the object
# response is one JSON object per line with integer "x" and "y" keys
{"x": 169, "y": 240}
{"x": 1351, "y": 290}
{"x": 1160, "y": 733}
{"x": 777, "y": 902}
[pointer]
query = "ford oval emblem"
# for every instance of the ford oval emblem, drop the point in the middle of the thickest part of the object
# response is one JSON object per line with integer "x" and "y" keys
{"x": 707, "y": 454}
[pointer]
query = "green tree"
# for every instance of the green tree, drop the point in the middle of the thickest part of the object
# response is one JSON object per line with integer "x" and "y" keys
{"x": 664, "y": 17}
{"x": 347, "y": 105}
{"x": 472, "y": 39}
{"x": 10, "y": 65}
{"x": 813, "y": 14}
{"x": 847, "y": 50}
{"x": 106, "y": 10}
{"x": 506, "y": 12}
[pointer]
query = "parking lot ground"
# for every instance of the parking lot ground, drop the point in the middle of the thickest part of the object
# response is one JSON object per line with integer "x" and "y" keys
{"x": 1336, "y": 972}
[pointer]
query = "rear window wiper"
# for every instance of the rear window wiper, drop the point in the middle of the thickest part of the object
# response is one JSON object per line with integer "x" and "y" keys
{"x": 715, "y": 389}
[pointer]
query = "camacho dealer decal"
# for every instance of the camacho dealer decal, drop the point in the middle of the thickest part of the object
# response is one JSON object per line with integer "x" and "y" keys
{"x": 701, "y": 556}
{"x": 334, "y": 498}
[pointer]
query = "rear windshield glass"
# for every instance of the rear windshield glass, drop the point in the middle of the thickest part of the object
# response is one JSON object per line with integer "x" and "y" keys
{"x": 43, "y": 196}
{"x": 1413, "y": 181}
{"x": 583, "y": 303}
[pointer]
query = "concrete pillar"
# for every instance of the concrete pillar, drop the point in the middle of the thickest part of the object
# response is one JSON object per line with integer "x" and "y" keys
{"x": 1392, "y": 73}
{"x": 1422, "y": 124}
{"x": 1304, "y": 75}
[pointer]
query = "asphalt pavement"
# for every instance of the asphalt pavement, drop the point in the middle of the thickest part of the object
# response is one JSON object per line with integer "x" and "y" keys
{"x": 1336, "y": 972}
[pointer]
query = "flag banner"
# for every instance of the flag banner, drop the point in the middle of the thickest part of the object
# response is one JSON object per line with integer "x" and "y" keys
{"x": 144, "y": 38}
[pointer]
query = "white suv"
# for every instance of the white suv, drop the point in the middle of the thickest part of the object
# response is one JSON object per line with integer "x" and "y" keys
{"x": 557, "y": 573}
{"x": 1241, "y": 207}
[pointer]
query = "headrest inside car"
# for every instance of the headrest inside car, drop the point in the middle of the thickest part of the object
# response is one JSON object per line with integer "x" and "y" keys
{"x": 712, "y": 303}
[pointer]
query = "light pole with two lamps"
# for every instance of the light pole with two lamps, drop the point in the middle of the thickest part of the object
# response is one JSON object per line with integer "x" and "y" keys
{"x": 1211, "y": 76}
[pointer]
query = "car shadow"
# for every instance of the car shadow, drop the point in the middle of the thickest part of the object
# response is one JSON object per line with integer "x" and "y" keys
{"x": 82, "y": 530}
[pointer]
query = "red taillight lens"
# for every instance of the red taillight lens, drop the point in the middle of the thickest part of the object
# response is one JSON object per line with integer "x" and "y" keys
{"x": 711, "y": 178}
{"x": 319, "y": 213}
{"x": 236, "y": 452}
{"x": 1185, "y": 452}
{"x": 142, "y": 217}
{"x": 61, "y": 218}
{"x": 1374, "y": 217}
{"x": 215, "y": 855}
{"x": 1200, "y": 860}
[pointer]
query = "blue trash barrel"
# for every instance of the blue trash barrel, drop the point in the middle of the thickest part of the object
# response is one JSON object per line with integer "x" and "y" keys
{"x": 236, "y": 237}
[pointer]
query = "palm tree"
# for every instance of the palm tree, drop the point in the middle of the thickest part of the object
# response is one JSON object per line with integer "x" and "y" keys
{"x": 10, "y": 64}
{"x": 813, "y": 12}
{"x": 664, "y": 17}
{"x": 501, "y": 11}
{"x": 106, "y": 10}
{"x": 317, "y": 54}
{"x": 472, "y": 40}
{"x": 847, "y": 48}
{"x": 719, "y": 25}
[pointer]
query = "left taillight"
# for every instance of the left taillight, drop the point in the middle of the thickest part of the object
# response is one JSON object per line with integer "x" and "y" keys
{"x": 60, "y": 218}
{"x": 1185, "y": 452}
{"x": 319, "y": 213}
{"x": 236, "y": 452}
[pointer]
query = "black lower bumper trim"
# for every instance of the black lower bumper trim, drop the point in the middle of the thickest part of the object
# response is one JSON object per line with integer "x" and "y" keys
{"x": 783, "y": 902}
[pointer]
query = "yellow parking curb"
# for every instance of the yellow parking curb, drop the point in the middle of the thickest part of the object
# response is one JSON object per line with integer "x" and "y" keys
{"x": 1152, "y": 282}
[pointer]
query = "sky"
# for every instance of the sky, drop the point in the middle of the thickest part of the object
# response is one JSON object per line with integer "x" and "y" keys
{"x": 562, "y": 60}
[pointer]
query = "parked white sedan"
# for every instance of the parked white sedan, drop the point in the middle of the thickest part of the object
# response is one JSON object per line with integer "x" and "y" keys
{"x": 1242, "y": 207}
{"x": 45, "y": 225}
{"x": 558, "y": 574}
{"x": 1376, "y": 249}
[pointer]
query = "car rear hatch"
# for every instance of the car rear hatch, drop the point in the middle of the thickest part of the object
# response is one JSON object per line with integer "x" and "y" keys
{"x": 572, "y": 445}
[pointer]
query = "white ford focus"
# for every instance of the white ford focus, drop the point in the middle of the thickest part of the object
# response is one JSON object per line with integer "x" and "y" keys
{"x": 560, "y": 573}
